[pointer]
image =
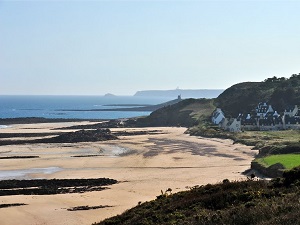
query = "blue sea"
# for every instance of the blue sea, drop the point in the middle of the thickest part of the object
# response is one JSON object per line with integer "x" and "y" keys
{"x": 55, "y": 106}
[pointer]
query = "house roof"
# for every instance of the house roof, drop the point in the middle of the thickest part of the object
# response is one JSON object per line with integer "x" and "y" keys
{"x": 217, "y": 112}
{"x": 289, "y": 108}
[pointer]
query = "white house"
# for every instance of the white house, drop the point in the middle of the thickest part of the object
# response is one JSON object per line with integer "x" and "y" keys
{"x": 264, "y": 119}
{"x": 234, "y": 125}
{"x": 217, "y": 116}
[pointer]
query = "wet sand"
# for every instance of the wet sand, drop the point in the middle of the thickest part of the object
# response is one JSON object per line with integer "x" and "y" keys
{"x": 143, "y": 164}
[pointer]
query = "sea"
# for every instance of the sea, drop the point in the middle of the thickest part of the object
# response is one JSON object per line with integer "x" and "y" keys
{"x": 58, "y": 106}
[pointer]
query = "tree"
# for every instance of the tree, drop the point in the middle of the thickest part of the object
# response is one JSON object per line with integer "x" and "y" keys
{"x": 273, "y": 79}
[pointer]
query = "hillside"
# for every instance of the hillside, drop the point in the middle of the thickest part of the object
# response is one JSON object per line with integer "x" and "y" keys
{"x": 188, "y": 112}
{"x": 244, "y": 97}
{"x": 240, "y": 203}
{"x": 245, "y": 202}
{"x": 239, "y": 98}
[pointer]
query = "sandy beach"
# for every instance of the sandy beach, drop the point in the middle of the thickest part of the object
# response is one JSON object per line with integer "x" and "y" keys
{"x": 143, "y": 165}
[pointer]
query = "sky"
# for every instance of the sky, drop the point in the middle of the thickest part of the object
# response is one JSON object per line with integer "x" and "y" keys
{"x": 120, "y": 47}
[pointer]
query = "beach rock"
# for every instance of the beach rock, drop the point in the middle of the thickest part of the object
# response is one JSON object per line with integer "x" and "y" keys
{"x": 84, "y": 136}
{"x": 70, "y": 137}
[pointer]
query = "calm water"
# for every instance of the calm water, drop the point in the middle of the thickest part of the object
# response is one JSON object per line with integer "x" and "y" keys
{"x": 23, "y": 174}
{"x": 54, "y": 106}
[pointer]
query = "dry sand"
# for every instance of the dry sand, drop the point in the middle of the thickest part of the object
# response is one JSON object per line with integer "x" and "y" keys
{"x": 143, "y": 164}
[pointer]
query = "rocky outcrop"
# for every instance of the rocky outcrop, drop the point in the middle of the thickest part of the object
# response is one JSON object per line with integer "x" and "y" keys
{"x": 70, "y": 137}
{"x": 53, "y": 186}
{"x": 273, "y": 171}
{"x": 84, "y": 136}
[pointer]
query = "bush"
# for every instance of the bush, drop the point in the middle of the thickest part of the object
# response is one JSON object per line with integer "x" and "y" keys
{"x": 292, "y": 176}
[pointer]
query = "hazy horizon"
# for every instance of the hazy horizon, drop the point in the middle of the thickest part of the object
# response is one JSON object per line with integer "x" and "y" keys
{"x": 120, "y": 47}
{"x": 110, "y": 93}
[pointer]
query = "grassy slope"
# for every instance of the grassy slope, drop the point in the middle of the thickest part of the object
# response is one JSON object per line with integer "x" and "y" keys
{"x": 188, "y": 112}
{"x": 246, "y": 202}
{"x": 200, "y": 110}
{"x": 289, "y": 161}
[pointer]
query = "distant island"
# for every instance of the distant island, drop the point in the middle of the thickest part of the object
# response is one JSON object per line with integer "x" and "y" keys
{"x": 109, "y": 95}
{"x": 132, "y": 107}
{"x": 185, "y": 93}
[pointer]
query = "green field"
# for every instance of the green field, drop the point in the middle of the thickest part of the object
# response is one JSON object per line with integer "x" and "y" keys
{"x": 289, "y": 161}
{"x": 270, "y": 137}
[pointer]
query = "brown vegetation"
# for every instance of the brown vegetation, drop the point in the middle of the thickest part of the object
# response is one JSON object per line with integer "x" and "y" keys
{"x": 240, "y": 203}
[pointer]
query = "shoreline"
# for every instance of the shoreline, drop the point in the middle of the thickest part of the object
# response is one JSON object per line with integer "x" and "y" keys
{"x": 33, "y": 120}
{"x": 167, "y": 158}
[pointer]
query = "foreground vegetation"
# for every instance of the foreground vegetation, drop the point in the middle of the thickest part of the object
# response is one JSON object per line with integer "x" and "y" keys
{"x": 245, "y": 202}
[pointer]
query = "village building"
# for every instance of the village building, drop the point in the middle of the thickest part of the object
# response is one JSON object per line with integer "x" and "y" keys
{"x": 233, "y": 125}
{"x": 249, "y": 122}
{"x": 217, "y": 116}
{"x": 270, "y": 122}
{"x": 265, "y": 118}
{"x": 291, "y": 118}
{"x": 291, "y": 111}
{"x": 263, "y": 109}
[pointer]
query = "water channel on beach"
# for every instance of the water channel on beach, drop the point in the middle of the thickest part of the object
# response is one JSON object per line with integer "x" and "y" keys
{"x": 24, "y": 174}
{"x": 105, "y": 151}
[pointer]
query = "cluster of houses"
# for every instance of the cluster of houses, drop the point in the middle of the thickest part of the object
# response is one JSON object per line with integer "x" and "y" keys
{"x": 264, "y": 118}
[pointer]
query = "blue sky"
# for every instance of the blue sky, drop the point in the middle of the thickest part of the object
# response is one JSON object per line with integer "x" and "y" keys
{"x": 120, "y": 47}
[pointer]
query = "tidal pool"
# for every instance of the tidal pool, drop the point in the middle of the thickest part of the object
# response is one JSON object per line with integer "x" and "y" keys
{"x": 113, "y": 150}
{"x": 23, "y": 174}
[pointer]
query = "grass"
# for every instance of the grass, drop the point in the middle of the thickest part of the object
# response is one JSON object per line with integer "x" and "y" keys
{"x": 289, "y": 161}
{"x": 259, "y": 139}
{"x": 200, "y": 109}
{"x": 187, "y": 113}
{"x": 270, "y": 137}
